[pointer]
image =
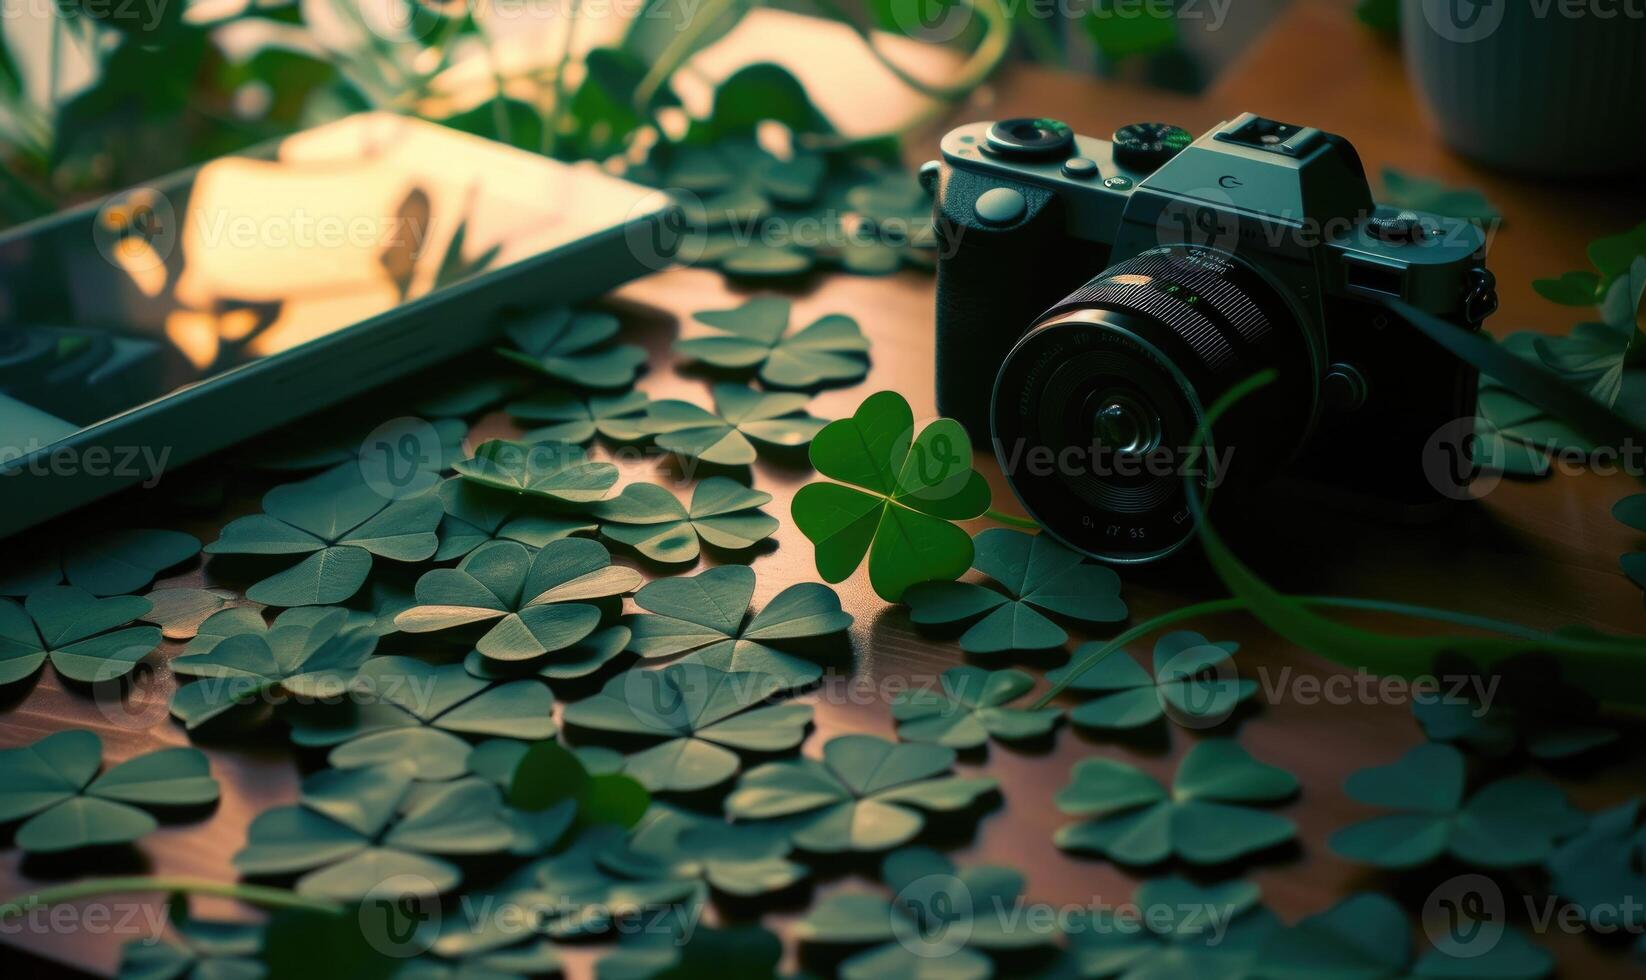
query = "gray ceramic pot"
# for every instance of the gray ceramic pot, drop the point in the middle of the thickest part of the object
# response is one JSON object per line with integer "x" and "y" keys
{"x": 1541, "y": 87}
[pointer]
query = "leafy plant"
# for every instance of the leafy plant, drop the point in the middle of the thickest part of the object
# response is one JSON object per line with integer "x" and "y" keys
{"x": 1505, "y": 824}
{"x": 1530, "y": 704}
{"x": 706, "y": 716}
{"x": 308, "y": 652}
{"x": 195, "y": 949}
{"x": 578, "y": 419}
{"x": 866, "y": 794}
{"x": 741, "y": 418}
{"x": 649, "y": 519}
{"x": 404, "y": 712}
{"x": 755, "y": 335}
{"x": 104, "y": 563}
{"x": 942, "y": 920}
{"x": 1202, "y": 819}
{"x": 740, "y": 859}
{"x": 1195, "y": 683}
{"x": 970, "y": 709}
{"x": 52, "y": 785}
{"x": 572, "y": 347}
{"x": 896, "y": 499}
{"x": 356, "y": 828}
{"x": 1036, "y": 573}
{"x": 340, "y": 523}
{"x": 551, "y": 471}
{"x": 78, "y": 632}
{"x": 541, "y": 602}
{"x": 1181, "y": 930}
{"x": 476, "y": 514}
{"x": 707, "y": 615}
{"x": 1600, "y": 868}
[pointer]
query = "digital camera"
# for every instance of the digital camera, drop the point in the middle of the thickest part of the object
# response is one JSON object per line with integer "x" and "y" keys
{"x": 1095, "y": 298}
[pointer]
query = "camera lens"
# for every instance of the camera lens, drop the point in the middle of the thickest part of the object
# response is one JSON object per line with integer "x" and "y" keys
{"x": 1096, "y": 409}
{"x": 1026, "y": 137}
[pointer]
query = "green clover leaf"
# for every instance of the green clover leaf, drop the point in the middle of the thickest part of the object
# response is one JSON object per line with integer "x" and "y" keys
{"x": 866, "y": 794}
{"x": 340, "y": 523}
{"x": 1363, "y": 937}
{"x": 1037, "y": 574}
{"x": 404, "y": 712}
{"x": 196, "y": 949}
{"x": 830, "y": 350}
{"x": 1528, "y": 704}
{"x": 77, "y": 631}
{"x": 1195, "y": 683}
{"x": 541, "y": 602}
{"x": 1177, "y": 929}
{"x": 179, "y": 612}
{"x": 52, "y": 785}
{"x": 741, "y": 859}
{"x": 551, "y": 818}
{"x": 355, "y": 828}
{"x": 308, "y": 652}
{"x": 703, "y": 714}
{"x": 476, "y": 514}
{"x": 104, "y": 563}
{"x": 970, "y": 709}
{"x": 581, "y": 659}
{"x": 465, "y": 393}
{"x": 555, "y": 471}
{"x": 571, "y": 347}
{"x": 736, "y": 951}
{"x": 707, "y": 614}
{"x": 1137, "y": 821}
{"x": 528, "y": 958}
{"x": 549, "y": 780}
{"x": 649, "y": 519}
{"x": 1505, "y": 824}
{"x": 576, "y": 420}
{"x": 893, "y": 937}
{"x": 1599, "y": 870}
{"x": 900, "y": 496}
{"x": 741, "y": 418}
{"x": 406, "y": 453}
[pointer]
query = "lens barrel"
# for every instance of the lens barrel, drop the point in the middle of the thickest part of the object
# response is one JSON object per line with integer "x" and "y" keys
{"x": 1095, "y": 409}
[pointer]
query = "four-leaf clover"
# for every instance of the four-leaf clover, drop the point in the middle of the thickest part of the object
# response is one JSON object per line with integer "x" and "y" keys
{"x": 708, "y": 614}
{"x": 356, "y": 828}
{"x": 970, "y": 709}
{"x": 1135, "y": 820}
{"x": 1504, "y": 824}
{"x": 866, "y": 794}
{"x": 832, "y": 349}
{"x": 54, "y": 784}
{"x": 1037, "y": 573}
{"x": 903, "y": 493}
{"x": 105, "y": 563}
{"x": 651, "y": 520}
{"x": 340, "y": 523}
{"x": 703, "y": 713}
{"x": 1194, "y": 683}
{"x": 727, "y": 435}
{"x": 76, "y": 631}
{"x": 542, "y": 602}
{"x": 567, "y": 346}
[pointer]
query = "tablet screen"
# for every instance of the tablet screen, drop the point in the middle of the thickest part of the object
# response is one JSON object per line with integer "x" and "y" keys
{"x": 252, "y": 255}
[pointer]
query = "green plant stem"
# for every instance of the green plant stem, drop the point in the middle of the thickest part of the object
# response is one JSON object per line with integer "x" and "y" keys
{"x": 276, "y": 898}
{"x": 1219, "y": 606}
{"x": 677, "y": 51}
{"x": 1012, "y": 520}
{"x": 997, "y": 41}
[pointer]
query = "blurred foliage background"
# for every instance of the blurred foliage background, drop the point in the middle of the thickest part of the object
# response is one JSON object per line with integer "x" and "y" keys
{"x": 101, "y": 94}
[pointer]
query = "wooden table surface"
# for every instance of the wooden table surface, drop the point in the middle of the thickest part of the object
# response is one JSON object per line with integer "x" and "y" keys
{"x": 1541, "y": 553}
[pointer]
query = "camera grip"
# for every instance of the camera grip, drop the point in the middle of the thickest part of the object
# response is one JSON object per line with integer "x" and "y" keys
{"x": 992, "y": 282}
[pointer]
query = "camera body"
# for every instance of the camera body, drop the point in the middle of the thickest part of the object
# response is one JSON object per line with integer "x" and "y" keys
{"x": 1256, "y": 245}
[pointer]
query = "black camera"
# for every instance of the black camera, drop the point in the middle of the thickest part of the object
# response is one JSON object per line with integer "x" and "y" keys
{"x": 1107, "y": 293}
